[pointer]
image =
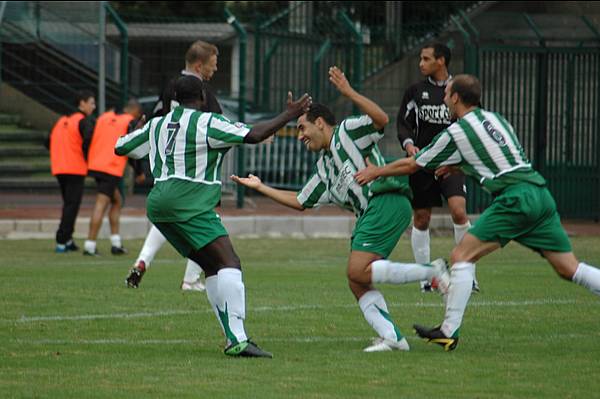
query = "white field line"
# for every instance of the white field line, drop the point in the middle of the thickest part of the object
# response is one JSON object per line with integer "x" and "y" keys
{"x": 303, "y": 339}
{"x": 31, "y": 319}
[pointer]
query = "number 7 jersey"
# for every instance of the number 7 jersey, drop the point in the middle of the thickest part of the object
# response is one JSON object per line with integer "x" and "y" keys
{"x": 184, "y": 144}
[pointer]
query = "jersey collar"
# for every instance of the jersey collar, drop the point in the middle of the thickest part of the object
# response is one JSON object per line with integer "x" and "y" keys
{"x": 188, "y": 73}
{"x": 440, "y": 83}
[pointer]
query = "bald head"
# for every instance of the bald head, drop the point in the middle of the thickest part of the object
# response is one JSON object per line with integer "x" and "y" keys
{"x": 468, "y": 89}
{"x": 133, "y": 107}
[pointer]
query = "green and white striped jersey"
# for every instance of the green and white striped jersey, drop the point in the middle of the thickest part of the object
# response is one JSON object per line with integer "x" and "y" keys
{"x": 184, "y": 144}
{"x": 486, "y": 147}
{"x": 333, "y": 177}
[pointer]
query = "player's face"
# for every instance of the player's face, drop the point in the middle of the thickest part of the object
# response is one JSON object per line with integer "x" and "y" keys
{"x": 208, "y": 69}
{"x": 450, "y": 100}
{"x": 310, "y": 134}
{"x": 428, "y": 63}
{"x": 88, "y": 106}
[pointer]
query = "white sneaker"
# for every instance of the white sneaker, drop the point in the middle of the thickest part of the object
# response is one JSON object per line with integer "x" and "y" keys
{"x": 195, "y": 286}
{"x": 386, "y": 345}
{"x": 442, "y": 276}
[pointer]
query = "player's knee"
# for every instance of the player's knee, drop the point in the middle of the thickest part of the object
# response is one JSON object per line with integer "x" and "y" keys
{"x": 458, "y": 254}
{"x": 421, "y": 220}
{"x": 565, "y": 271}
{"x": 459, "y": 216}
{"x": 358, "y": 275}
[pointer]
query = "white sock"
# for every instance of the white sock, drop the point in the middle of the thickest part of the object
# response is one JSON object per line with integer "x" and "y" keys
{"x": 459, "y": 292}
{"x": 89, "y": 246}
{"x": 192, "y": 272}
{"x": 115, "y": 240}
{"x": 212, "y": 293}
{"x": 419, "y": 240}
{"x": 384, "y": 271}
{"x": 232, "y": 304}
{"x": 376, "y": 313}
{"x": 588, "y": 276}
{"x": 154, "y": 241}
{"x": 460, "y": 230}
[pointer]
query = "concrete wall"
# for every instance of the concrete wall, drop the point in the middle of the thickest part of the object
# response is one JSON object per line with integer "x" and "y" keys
{"x": 33, "y": 114}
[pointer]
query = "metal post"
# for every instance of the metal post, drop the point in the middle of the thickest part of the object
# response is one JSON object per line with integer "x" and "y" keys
{"x": 124, "y": 53}
{"x": 101, "y": 58}
{"x": 2, "y": 8}
{"x": 243, "y": 38}
{"x": 257, "y": 46}
{"x": 316, "y": 67}
{"x": 266, "y": 94}
{"x": 358, "y": 54}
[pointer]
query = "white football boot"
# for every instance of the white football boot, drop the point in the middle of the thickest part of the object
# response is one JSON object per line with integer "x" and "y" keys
{"x": 385, "y": 345}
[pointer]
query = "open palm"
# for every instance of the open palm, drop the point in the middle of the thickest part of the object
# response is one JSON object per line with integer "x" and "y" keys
{"x": 251, "y": 181}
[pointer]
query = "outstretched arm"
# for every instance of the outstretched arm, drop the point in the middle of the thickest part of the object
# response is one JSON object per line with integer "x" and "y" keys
{"x": 379, "y": 117}
{"x": 400, "y": 167}
{"x": 287, "y": 198}
{"x": 263, "y": 130}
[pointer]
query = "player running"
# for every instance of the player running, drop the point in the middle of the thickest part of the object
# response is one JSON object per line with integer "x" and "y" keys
{"x": 382, "y": 208}
{"x": 485, "y": 146}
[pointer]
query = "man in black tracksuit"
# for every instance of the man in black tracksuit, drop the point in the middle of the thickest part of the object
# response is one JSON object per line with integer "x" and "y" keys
{"x": 421, "y": 117}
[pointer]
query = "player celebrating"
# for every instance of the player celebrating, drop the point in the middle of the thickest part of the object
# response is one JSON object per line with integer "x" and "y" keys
{"x": 421, "y": 117}
{"x": 186, "y": 149}
{"x": 201, "y": 63}
{"x": 484, "y": 145}
{"x": 382, "y": 207}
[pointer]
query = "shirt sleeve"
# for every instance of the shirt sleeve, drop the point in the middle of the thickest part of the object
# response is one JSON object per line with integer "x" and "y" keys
{"x": 362, "y": 131}
{"x": 440, "y": 152}
{"x": 314, "y": 192}
{"x": 407, "y": 118}
{"x": 135, "y": 144}
{"x": 223, "y": 133}
{"x": 86, "y": 129}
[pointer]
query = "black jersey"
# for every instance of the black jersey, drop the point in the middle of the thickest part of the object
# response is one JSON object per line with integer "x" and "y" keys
{"x": 423, "y": 113}
{"x": 167, "y": 98}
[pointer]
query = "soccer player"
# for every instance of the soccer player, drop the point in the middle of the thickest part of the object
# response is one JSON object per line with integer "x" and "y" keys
{"x": 68, "y": 143}
{"x": 108, "y": 169}
{"x": 200, "y": 62}
{"x": 186, "y": 148}
{"x": 421, "y": 117}
{"x": 382, "y": 208}
{"x": 484, "y": 145}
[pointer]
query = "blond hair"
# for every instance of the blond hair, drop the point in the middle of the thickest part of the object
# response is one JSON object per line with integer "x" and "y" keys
{"x": 200, "y": 51}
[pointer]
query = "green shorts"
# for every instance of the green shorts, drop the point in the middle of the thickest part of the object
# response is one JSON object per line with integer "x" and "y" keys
{"x": 527, "y": 214}
{"x": 378, "y": 230}
{"x": 194, "y": 233}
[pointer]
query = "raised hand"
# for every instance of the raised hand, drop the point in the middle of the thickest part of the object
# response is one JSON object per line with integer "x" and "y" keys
{"x": 298, "y": 107}
{"x": 337, "y": 77}
{"x": 367, "y": 174}
{"x": 251, "y": 181}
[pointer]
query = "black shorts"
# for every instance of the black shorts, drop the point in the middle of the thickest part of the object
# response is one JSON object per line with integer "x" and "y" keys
{"x": 106, "y": 184}
{"x": 428, "y": 192}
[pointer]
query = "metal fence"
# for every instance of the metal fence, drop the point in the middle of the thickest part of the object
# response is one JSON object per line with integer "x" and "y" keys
{"x": 549, "y": 89}
{"x": 51, "y": 49}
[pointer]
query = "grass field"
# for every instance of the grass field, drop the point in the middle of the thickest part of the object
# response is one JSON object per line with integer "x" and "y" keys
{"x": 70, "y": 329}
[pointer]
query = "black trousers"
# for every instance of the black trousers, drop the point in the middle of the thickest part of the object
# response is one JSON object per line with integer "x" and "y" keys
{"x": 71, "y": 188}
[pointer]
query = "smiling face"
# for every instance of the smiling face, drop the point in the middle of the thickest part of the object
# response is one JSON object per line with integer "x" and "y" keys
{"x": 312, "y": 134}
